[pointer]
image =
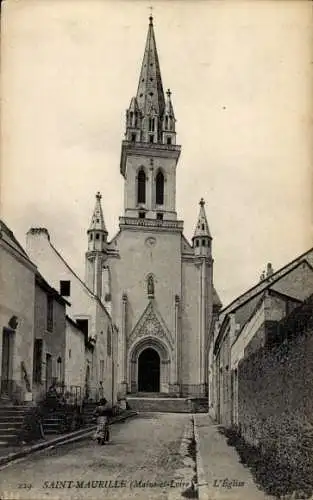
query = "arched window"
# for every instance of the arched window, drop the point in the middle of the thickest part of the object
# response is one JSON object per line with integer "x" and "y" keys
{"x": 151, "y": 124}
{"x": 166, "y": 122}
{"x": 159, "y": 189}
{"x": 131, "y": 114}
{"x": 141, "y": 187}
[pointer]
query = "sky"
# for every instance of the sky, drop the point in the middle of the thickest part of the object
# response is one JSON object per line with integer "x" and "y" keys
{"x": 241, "y": 79}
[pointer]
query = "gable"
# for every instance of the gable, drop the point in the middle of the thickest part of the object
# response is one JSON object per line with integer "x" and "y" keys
{"x": 297, "y": 284}
{"x": 185, "y": 246}
{"x": 151, "y": 324}
{"x": 259, "y": 287}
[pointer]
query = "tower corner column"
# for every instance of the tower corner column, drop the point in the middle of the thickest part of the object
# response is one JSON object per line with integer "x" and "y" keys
{"x": 123, "y": 348}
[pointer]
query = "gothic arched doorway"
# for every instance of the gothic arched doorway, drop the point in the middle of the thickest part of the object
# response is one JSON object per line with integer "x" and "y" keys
{"x": 149, "y": 371}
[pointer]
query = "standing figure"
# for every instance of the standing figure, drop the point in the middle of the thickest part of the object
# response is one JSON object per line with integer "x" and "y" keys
{"x": 150, "y": 286}
{"x": 101, "y": 390}
{"x": 103, "y": 411}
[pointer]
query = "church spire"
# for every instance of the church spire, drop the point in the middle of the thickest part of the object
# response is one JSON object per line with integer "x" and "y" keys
{"x": 150, "y": 95}
{"x": 150, "y": 118}
{"x": 202, "y": 236}
{"x": 149, "y": 152}
{"x": 97, "y": 232}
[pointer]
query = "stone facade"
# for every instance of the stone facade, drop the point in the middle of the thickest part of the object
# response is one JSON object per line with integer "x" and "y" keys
{"x": 17, "y": 303}
{"x": 157, "y": 286}
{"x": 148, "y": 290}
{"x": 74, "y": 354}
{"x": 49, "y": 340}
{"x": 83, "y": 307}
{"x": 275, "y": 393}
{"x": 249, "y": 325}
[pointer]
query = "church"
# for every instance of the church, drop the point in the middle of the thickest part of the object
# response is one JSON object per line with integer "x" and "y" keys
{"x": 156, "y": 285}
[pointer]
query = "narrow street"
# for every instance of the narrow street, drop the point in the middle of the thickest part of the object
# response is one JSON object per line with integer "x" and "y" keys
{"x": 139, "y": 462}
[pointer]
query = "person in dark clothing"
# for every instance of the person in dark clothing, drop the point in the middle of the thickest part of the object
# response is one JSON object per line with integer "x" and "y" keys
{"x": 102, "y": 412}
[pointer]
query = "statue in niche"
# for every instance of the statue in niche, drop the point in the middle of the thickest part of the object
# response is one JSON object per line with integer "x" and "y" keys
{"x": 150, "y": 287}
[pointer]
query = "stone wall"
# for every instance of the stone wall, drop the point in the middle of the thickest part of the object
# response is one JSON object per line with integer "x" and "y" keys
{"x": 275, "y": 394}
{"x": 75, "y": 356}
{"x": 17, "y": 298}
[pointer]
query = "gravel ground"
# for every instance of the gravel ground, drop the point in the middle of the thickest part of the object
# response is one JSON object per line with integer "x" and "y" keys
{"x": 141, "y": 461}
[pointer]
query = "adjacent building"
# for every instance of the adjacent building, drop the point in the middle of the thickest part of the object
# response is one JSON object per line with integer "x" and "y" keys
{"x": 17, "y": 305}
{"x": 50, "y": 337}
{"x": 251, "y": 323}
{"x": 86, "y": 311}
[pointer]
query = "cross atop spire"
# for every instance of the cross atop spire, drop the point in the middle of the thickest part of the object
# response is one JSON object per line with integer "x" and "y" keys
{"x": 151, "y": 16}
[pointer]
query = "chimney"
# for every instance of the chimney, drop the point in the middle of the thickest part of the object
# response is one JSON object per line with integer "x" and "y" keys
{"x": 269, "y": 270}
{"x": 39, "y": 231}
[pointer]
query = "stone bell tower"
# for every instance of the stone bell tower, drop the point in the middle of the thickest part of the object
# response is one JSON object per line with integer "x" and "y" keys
{"x": 149, "y": 152}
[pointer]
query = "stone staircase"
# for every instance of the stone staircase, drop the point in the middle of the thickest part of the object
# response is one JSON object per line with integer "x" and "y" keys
{"x": 89, "y": 408}
{"x": 11, "y": 421}
{"x": 53, "y": 423}
{"x": 157, "y": 402}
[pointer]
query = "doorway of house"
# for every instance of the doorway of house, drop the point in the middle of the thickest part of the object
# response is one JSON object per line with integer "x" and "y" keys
{"x": 149, "y": 371}
{"x": 7, "y": 361}
{"x": 48, "y": 371}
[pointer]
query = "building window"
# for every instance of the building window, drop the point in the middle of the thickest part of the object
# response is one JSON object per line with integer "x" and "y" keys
{"x": 203, "y": 243}
{"x": 166, "y": 122}
{"x": 142, "y": 215}
{"x": 103, "y": 238}
{"x": 159, "y": 189}
{"x": 90, "y": 237}
{"x": 151, "y": 124}
{"x": 141, "y": 187}
{"x": 101, "y": 369}
{"x": 37, "y": 361}
{"x": 49, "y": 314}
{"x": 159, "y": 216}
{"x": 49, "y": 376}
{"x": 197, "y": 243}
{"x": 151, "y": 138}
{"x": 169, "y": 140}
{"x": 202, "y": 227}
{"x": 59, "y": 368}
{"x": 133, "y": 137}
{"x": 65, "y": 288}
{"x": 69, "y": 353}
{"x": 97, "y": 236}
{"x": 109, "y": 340}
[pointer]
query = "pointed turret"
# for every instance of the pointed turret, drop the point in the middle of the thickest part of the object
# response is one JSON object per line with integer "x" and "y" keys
{"x": 97, "y": 232}
{"x": 133, "y": 121}
{"x": 169, "y": 135}
{"x": 202, "y": 237}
